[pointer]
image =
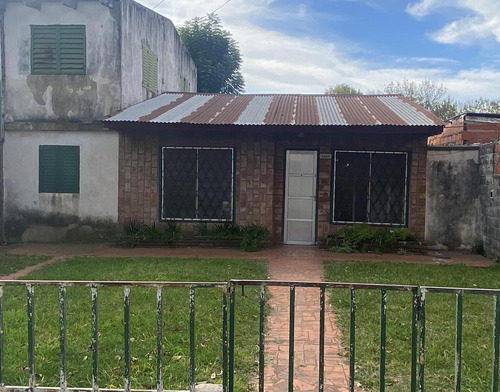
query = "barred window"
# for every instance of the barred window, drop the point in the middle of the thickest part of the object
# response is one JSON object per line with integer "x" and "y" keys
{"x": 370, "y": 187}
{"x": 197, "y": 183}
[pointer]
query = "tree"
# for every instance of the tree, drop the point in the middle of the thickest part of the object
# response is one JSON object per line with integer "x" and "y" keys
{"x": 431, "y": 95}
{"x": 215, "y": 53}
{"x": 343, "y": 89}
{"x": 481, "y": 105}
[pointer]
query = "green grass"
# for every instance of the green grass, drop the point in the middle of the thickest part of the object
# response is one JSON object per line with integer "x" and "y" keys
{"x": 143, "y": 323}
{"x": 13, "y": 263}
{"x": 440, "y": 323}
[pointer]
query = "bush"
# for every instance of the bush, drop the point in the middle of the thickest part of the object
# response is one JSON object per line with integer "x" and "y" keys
{"x": 255, "y": 237}
{"x": 362, "y": 237}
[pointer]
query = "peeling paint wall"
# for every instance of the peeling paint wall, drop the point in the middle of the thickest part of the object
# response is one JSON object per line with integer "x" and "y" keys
{"x": 98, "y": 176}
{"x": 143, "y": 26}
{"x": 81, "y": 98}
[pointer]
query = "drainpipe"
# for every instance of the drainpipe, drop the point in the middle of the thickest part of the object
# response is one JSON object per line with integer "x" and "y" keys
{"x": 2, "y": 120}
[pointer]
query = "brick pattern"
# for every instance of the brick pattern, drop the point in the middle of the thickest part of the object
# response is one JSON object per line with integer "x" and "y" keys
{"x": 325, "y": 144}
{"x": 259, "y": 174}
{"x": 138, "y": 179}
{"x": 458, "y": 133}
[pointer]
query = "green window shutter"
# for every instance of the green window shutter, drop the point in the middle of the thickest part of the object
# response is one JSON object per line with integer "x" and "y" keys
{"x": 149, "y": 69}
{"x": 185, "y": 85}
{"x": 47, "y": 169}
{"x": 58, "y": 49}
{"x": 59, "y": 169}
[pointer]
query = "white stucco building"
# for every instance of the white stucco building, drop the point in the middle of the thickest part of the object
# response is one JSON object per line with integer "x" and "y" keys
{"x": 67, "y": 64}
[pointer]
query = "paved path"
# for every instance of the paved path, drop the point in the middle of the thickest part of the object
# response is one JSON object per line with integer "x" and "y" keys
{"x": 306, "y": 353}
{"x": 289, "y": 263}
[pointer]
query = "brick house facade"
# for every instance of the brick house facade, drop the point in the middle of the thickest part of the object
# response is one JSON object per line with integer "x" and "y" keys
{"x": 260, "y": 168}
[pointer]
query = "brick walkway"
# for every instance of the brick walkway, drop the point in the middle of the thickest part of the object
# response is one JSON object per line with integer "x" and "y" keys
{"x": 288, "y": 263}
{"x": 306, "y": 369}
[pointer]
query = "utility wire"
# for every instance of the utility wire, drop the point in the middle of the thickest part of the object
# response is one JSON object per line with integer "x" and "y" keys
{"x": 215, "y": 10}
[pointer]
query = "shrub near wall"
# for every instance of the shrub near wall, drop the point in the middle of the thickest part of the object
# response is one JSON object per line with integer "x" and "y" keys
{"x": 249, "y": 238}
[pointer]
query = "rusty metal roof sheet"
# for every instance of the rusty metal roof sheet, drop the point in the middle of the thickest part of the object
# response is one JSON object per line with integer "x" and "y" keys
{"x": 277, "y": 109}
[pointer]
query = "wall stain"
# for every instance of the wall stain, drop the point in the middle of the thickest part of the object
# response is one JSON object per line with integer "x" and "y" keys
{"x": 73, "y": 97}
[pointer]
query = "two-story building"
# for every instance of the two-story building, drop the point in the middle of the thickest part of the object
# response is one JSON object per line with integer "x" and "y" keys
{"x": 66, "y": 64}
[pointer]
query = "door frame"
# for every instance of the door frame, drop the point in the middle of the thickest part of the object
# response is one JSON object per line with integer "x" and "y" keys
{"x": 283, "y": 210}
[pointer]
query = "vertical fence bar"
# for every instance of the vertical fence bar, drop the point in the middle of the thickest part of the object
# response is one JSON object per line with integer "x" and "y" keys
{"x": 414, "y": 339}
{"x": 321, "y": 339}
{"x": 421, "y": 359}
{"x": 95, "y": 386}
{"x": 458, "y": 341}
{"x": 383, "y": 333}
{"x": 192, "y": 351}
{"x": 262, "y": 336}
{"x": 291, "y": 339}
{"x": 1, "y": 338}
{"x": 352, "y": 339}
{"x": 126, "y": 338}
{"x": 62, "y": 336}
{"x": 496, "y": 341}
{"x": 224, "y": 339}
{"x": 232, "y": 300}
{"x": 31, "y": 335}
{"x": 159, "y": 339}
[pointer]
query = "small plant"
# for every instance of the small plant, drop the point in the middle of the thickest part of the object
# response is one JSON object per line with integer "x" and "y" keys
{"x": 361, "y": 238}
{"x": 255, "y": 237}
{"x": 133, "y": 227}
{"x": 226, "y": 230}
{"x": 201, "y": 228}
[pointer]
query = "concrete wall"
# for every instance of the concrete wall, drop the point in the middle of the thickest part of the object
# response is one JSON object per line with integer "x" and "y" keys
{"x": 62, "y": 97}
{"x": 489, "y": 196}
{"x": 463, "y": 197}
{"x": 141, "y": 25}
{"x": 452, "y": 216}
{"x": 98, "y": 180}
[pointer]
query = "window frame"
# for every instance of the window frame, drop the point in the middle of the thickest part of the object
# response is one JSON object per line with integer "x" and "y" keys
{"x": 59, "y": 31}
{"x": 162, "y": 182}
{"x": 405, "y": 205}
{"x": 61, "y": 183}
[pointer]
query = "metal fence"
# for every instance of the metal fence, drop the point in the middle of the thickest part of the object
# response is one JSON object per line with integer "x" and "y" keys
{"x": 228, "y": 306}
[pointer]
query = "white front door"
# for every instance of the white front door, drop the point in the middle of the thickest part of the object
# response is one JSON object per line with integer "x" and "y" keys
{"x": 300, "y": 197}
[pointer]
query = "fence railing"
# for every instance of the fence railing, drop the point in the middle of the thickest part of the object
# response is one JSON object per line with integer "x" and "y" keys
{"x": 93, "y": 299}
{"x": 227, "y": 308}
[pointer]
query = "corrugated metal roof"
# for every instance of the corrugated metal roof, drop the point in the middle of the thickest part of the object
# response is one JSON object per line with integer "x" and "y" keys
{"x": 277, "y": 109}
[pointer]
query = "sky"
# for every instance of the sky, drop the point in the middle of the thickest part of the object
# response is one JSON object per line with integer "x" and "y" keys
{"x": 305, "y": 46}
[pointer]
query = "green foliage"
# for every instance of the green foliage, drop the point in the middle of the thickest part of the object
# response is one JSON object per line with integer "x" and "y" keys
{"x": 431, "y": 95}
{"x": 136, "y": 233}
{"x": 143, "y": 323}
{"x": 215, "y": 53}
{"x": 226, "y": 230}
{"x": 440, "y": 323}
{"x": 362, "y": 237}
{"x": 255, "y": 237}
{"x": 343, "y": 89}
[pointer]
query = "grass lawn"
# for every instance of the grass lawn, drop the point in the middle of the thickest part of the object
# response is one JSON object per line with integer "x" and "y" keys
{"x": 13, "y": 263}
{"x": 143, "y": 323}
{"x": 440, "y": 322}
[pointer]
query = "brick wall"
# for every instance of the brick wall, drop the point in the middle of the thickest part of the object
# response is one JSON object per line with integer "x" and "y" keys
{"x": 459, "y": 132}
{"x": 138, "y": 179}
{"x": 259, "y": 175}
{"x": 138, "y": 174}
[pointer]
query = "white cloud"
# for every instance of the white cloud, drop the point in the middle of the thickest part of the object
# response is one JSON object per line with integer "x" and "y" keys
{"x": 481, "y": 22}
{"x": 274, "y": 62}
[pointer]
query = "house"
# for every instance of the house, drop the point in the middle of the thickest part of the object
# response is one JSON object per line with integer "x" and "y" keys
{"x": 66, "y": 65}
{"x": 300, "y": 165}
{"x": 469, "y": 128}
